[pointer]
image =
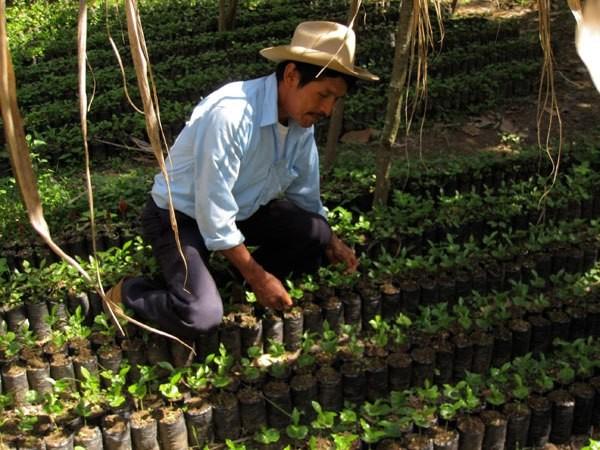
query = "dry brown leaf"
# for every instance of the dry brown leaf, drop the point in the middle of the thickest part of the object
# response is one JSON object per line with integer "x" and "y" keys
{"x": 357, "y": 136}
{"x": 471, "y": 129}
{"x": 508, "y": 126}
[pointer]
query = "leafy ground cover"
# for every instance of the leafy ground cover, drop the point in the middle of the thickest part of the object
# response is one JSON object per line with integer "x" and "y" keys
{"x": 190, "y": 60}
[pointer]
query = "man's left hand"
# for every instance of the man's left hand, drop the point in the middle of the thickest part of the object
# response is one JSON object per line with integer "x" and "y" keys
{"x": 338, "y": 252}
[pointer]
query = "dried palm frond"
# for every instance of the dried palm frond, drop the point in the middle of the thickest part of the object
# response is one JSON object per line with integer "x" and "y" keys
{"x": 18, "y": 150}
{"x": 150, "y": 101}
{"x": 547, "y": 100}
{"x": 422, "y": 42}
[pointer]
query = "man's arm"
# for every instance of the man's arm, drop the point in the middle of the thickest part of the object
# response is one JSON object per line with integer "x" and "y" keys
{"x": 338, "y": 252}
{"x": 267, "y": 287}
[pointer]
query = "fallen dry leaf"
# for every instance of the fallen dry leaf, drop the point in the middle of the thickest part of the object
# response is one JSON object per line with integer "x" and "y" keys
{"x": 471, "y": 129}
{"x": 508, "y": 126}
{"x": 357, "y": 136}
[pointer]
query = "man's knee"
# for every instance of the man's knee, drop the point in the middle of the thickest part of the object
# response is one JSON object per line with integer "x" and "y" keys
{"x": 205, "y": 316}
{"x": 208, "y": 320}
{"x": 198, "y": 311}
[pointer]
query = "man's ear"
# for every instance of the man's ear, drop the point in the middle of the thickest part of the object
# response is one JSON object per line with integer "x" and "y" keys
{"x": 291, "y": 75}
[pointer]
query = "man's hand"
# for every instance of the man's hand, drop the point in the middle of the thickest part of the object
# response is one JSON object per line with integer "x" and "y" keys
{"x": 270, "y": 292}
{"x": 338, "y": 252}
{"x": 268, "y": 289}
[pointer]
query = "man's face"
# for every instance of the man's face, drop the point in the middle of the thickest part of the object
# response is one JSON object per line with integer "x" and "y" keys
{"x": 311, "y": 102}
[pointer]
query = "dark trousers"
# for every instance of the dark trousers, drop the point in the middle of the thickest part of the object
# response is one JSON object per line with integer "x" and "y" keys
{"x": 289, "y": 240}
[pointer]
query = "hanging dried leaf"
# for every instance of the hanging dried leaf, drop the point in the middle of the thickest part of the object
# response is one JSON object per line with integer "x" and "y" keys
{"x": 18, "y": 150}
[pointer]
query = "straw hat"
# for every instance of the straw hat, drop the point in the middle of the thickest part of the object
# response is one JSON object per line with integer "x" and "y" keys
{"x": 326, "y": 44}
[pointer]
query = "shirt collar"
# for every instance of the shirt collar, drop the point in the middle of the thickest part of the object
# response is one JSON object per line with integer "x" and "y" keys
{"x": 270, "y": 114}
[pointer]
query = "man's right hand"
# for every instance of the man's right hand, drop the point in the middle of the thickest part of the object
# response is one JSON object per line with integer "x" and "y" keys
{"x": 270, "y": 292}
{"x": 268, "y": 289}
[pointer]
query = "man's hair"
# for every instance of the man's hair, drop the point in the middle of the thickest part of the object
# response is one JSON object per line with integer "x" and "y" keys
{"x": 309, "y": 72}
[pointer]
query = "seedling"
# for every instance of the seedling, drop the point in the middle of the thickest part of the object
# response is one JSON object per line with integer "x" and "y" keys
{"x": 140, "y": 388}
{"x": 170, "y": 390}
{"x": 378, "y": 408}
{"x": 91, "y": 393}
{"x": 324, "y": 420}
{"x": 520, "y": 390}
{"x": 249, "y": 369}
{"x": 329, "y": 339}
{"x": 267, "y": 435}
{"x": 104, "y": 326}
{"x": 115, "y": 394}
{"x": 231, "y": 445}
{"x": 306, "y": 358}
{"x": 381, "y": 331}
{"x": 275, "y": 348}
{"x": 495, "y": 396}
{"x": 344, "y": 441}
{"x": 295, "y": 430}
{"x": 223, "y": 361}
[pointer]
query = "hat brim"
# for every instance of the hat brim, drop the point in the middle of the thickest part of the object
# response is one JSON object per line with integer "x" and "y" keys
{"x": 310, "y": 56}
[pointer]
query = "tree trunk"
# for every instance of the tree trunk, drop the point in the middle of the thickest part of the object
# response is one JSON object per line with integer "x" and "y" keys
{"x": 227, "y": 10}
{"x": 337, "y": 117}
{"x": 396, "y": 92}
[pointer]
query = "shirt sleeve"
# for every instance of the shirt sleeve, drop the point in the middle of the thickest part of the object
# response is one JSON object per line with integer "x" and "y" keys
{"x": 305, "y": 190}
{"x": 217, "y": 152}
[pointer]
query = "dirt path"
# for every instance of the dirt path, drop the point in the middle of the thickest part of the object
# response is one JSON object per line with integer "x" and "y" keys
{"x": 497, "y": 129}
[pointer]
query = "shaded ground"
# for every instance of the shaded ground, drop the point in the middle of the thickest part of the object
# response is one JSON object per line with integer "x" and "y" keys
{"x": 495, "y": 130}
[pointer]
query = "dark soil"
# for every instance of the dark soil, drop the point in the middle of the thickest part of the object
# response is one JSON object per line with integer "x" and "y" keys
{"x": 139, "y": 419}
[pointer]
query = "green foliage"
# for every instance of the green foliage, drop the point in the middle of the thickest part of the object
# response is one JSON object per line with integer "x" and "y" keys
{"x": 520, "y": 391}
{"x": 53, "y": 401}
{"x": 170, "y": 389}
{"x": 9, "y": 345}
{"x": 25, "y": 421}
{"x": 329, "y": 339}
{"x": 142, "y": 385}
{"x": 267, "y": 435}
{"x": 592, "y": 445}
{"x": 115, "y": 394}
{"x": 352, "y": 231}
{"x": 306, "y": 359}
{"x": 76, "y": 327}
{"x": 90, "y": 389}
{"x": 104, "y": 326}
{"x": 378, "y": 408}
{"x": 325, "y": 419}
{"x": 249, "y": 368}
{"x": 344, "y": 441}
{"x": 223, "y": 362}
{"x": 296, "y": 292}
{"x": 295, "y": 430}
{"x": 231, "y": 445}
{"x": 276, "y": 348}
{"x": 381, "y": 331}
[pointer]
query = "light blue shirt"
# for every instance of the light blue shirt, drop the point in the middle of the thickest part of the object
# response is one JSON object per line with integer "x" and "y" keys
{"x": 227, "y": 162}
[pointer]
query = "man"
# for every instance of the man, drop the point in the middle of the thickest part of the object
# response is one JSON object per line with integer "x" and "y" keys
{"x": 245, "y": 171}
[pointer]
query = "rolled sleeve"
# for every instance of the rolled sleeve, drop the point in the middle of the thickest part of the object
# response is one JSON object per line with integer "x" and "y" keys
{"x": 218, "y": 153}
